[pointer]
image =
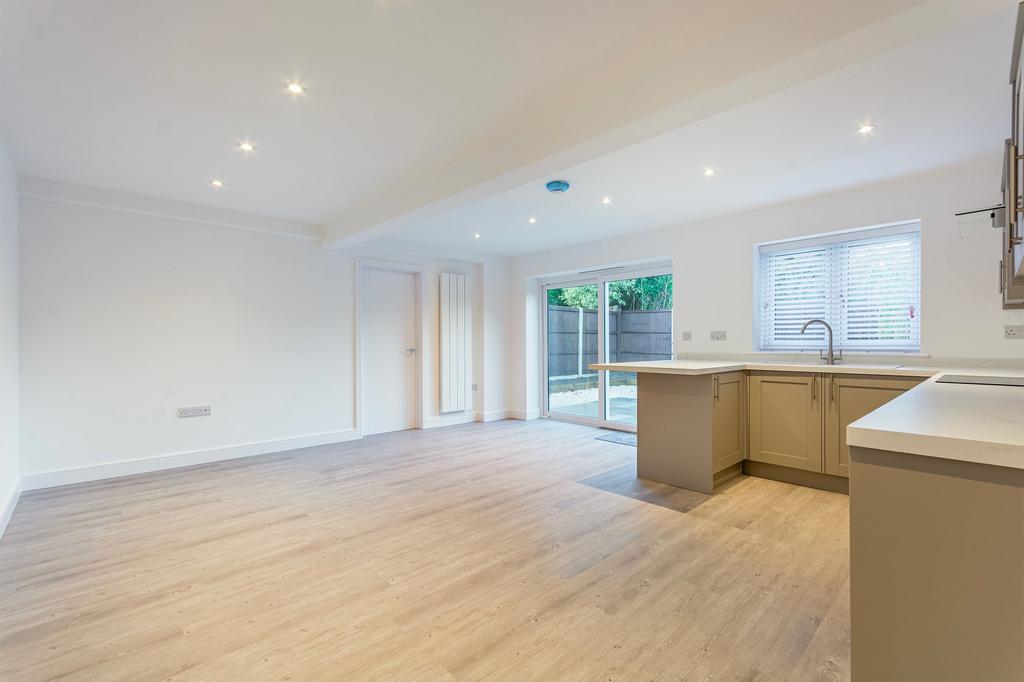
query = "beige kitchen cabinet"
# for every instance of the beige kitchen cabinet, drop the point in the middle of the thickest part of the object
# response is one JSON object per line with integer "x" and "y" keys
{"x": 696, "y": 431}
{"x": 786, "y": 419}
{"x": 848, "y": 398}
{"x": 936, "y": 549}
{"x": 729, "y": 420}
{"x": 691, "y": 429}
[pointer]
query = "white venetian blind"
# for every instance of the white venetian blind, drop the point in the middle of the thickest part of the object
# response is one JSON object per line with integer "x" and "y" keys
{"x": 866, "y": 284}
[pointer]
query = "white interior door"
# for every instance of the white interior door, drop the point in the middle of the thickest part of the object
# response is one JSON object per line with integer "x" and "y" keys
{"x": 388, "y": 351}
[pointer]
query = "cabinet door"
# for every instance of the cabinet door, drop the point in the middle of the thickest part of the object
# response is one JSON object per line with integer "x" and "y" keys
{"x": 785, "y": 419}
{"x": 728, "y": 435}
{"x": 847, "y": 399}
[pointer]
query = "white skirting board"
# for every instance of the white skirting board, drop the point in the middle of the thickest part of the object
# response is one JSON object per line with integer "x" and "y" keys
{"x": 493, "y": 415}
{"x": 57, "y": 477}
{"x": 8, "y": 501}
{"x": 448, "y": 420}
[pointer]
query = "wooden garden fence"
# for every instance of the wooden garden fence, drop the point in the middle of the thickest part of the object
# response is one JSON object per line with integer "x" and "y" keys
{"x": 632, "y": 335}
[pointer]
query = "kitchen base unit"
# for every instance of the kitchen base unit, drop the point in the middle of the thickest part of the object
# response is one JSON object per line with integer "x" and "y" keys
{"x": 691, "y": 430}
{"x": 698, "y": 428}
{"x": 937, "y": 568}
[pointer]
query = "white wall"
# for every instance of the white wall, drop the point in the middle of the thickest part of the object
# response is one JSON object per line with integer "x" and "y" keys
{"x": 127, "y": 317}
{"x": 713, "y": 268}
{"x": 495, "y": 329}
{"x": 9, "y": 401}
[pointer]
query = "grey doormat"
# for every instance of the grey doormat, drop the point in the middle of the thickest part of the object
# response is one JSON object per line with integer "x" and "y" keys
{"x": 620, "y": 437}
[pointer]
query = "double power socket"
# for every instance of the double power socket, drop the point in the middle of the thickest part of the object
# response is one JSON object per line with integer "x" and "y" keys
{"x": 715, "y": 336}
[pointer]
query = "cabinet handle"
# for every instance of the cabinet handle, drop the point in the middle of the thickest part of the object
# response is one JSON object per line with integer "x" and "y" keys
{"x": 814, "y": 388}
{"x": 832, "y": 389}
{"x": 716, "y": 387}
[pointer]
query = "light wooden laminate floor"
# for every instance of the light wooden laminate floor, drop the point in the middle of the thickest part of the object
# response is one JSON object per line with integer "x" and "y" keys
{"x": 505, "y": 551}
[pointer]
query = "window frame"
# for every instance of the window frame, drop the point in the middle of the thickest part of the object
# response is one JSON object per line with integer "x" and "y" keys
{"x": 794, "y": 244}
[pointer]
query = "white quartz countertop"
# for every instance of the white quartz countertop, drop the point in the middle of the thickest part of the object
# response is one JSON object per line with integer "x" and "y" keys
{"x": 713, "y": 366}
{"x": 965, "y": 422}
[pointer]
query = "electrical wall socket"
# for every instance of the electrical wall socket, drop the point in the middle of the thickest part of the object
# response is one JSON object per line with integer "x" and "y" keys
{"x": 718, "y": 336}
{"x": 687, "y": 336}
{"x": 201, "y": 411}
{"x": 1014, "y": 331}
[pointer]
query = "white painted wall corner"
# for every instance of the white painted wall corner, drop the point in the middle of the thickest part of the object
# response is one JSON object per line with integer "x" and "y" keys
{"x": 7, "y": 504}
{"x": 525, "y": 415}
{"x": 448, "y": 420}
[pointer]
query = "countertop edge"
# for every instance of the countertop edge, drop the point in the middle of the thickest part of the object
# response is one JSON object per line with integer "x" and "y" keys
{"x": 992, "y": 453}
{"x": 629, "y": 367}
{"x": 713, "y": 368}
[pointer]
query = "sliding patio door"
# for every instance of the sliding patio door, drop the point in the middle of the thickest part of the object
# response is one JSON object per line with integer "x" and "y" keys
{"x": 572, "y": 345}
{"x": 614, "y": 318}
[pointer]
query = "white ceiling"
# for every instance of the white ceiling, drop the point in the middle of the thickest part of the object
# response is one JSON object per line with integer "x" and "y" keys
{"x": 425, "y": 120}
{"x": 407, "y": 100}
{"x": 935, "y": 102}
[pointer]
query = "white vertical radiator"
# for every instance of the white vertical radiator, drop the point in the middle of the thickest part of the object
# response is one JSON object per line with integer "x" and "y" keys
{"x": 455, "y": 343}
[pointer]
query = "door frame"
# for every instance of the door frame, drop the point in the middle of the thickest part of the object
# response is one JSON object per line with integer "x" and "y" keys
{"x": 600, "y": 277}
{"x": 416, "y": 270}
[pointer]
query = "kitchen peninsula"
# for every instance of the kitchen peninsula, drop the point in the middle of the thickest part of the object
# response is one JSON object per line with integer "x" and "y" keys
{"x": 701, "y": 422}
{"x": 934, "y": 458}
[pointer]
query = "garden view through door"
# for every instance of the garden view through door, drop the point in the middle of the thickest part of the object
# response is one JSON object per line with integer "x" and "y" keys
{"x": 572, "y": 347}
{"x": 616, "y": 320}
{"x": 638, "y": 326}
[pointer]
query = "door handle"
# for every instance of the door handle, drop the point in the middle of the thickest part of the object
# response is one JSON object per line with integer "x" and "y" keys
{"x": 410, "y": 350}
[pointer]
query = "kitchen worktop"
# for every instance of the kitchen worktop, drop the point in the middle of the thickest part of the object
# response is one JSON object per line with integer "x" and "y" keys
{"x": 965, "y": 422}
{"x": 716, "y": 366}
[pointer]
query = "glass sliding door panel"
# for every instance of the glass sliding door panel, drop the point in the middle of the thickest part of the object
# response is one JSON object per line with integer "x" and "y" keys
{"x": 638, "y": 326}
{"x": 571, "y": 348}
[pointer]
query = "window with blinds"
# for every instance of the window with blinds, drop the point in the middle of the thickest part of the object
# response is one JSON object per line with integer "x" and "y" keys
{"x": 866, "y": 284}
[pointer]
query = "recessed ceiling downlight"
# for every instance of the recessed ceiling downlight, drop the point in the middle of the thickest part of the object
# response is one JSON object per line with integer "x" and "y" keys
{"x": 216, "y": 182}
{"x": 558, "y": 186}
{"x": 531, "y": 220}
{"x": 246, "y": 146}
{"x": 866, "y": 128}
{"x": 606, "y": 201}
{"x": 709, "y": 172}
{"x": 295, "y": 88}
{"x": 476, "y": 235}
